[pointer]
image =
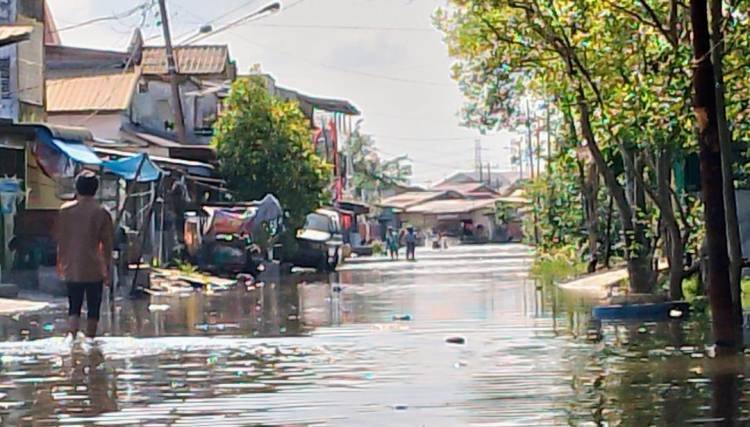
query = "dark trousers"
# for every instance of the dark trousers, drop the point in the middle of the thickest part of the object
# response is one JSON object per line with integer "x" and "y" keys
{"x": 92, "y": 291}
{"x": 410, "y": 249}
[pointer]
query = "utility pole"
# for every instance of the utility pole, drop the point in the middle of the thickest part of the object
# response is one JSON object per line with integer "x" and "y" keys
{"x": 529, "y": 141}
{"x": 478, "y": 167}
{"x": 179, "y": 121}
{"x": 549, "y": 144}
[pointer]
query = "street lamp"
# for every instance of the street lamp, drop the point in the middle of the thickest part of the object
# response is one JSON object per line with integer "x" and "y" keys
{"x": 208, "y": 30}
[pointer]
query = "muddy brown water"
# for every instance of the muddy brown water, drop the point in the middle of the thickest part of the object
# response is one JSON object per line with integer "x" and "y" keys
{"x": 325, "y": 350}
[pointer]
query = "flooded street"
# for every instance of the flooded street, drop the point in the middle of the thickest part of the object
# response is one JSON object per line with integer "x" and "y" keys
{"x": 326, "y": 350}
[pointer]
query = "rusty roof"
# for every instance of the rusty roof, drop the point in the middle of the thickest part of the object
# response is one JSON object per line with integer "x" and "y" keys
{"x": 452, "y": 206}
{"x": 106, "y": 92}
{"x": 190, "y": 59}
{"x": 10, "y": 34}
{"x": 411, "y": 198}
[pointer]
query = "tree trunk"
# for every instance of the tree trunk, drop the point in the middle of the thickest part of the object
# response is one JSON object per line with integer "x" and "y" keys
{"x": 640, "y": 270}
{"x": 725, "y": 141}
{"x": 675, "y": 244}
{"x": 724, "y": 323}
{"x": 592, "y": 215}
{"x": 608, "y": 235}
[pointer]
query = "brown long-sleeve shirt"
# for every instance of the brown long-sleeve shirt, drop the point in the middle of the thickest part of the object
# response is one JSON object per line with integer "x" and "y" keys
{"x": 84, "y": 241}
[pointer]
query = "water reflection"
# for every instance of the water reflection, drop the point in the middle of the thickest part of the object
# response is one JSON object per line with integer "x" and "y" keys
{"x": 327, "y": 350}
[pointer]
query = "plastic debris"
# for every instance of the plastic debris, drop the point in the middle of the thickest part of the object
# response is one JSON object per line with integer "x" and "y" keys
{"x": 48, "y": 327}
{"x": 456, "y": 340}
{"x": 158, "y": 307}
{"x": 336, "y": 288}
{"x": 202, "y": 327}
{"x": 400, "y": 407}
{"x": 675, "y": 313}
{"x": 368, "y": 375}
{"x": 642, "y": 330}
{"x": 404, "y": 317}
{"x": 459, "y": 364}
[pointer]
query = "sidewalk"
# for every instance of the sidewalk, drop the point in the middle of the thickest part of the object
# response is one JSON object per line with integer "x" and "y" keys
{"x": 598, "y": 285}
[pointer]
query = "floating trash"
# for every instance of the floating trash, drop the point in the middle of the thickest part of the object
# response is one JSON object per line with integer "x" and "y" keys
{"x": 642, "y": 330}
{"x": 676, "y": 313}
{"x": 48, "y": 327}
{"x": 368, "y": 375}
{"x": 336, "y": 288}
{"x": 400, "y": 407}
{"x": 456, "y": 340}
{"x": 202, "y": 327}
{"x": 403, "y": 317}
{"x": 158, "y": 307}
{"x": 459, "y": 364}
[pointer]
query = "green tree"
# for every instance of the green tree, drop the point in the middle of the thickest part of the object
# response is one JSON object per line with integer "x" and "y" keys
{"x": 372, "y": 175}
{"x": 264, "y": 146}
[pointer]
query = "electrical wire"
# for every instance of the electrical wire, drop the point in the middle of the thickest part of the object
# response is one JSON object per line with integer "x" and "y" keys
{"x": 130, "y": 12}
{"x": 346, "y": 27}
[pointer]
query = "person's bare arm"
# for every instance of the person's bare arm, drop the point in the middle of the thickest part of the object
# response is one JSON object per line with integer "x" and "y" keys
{"x": 106, "y": 238}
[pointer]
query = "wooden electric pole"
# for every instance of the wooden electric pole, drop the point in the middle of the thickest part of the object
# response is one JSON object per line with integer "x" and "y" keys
{"x": 179, "y": 121}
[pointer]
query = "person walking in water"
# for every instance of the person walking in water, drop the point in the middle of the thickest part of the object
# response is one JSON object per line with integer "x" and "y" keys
{"x": 391, "y": 241}
{"x": 411, "y": 243}
{"x": 84, "y": 253}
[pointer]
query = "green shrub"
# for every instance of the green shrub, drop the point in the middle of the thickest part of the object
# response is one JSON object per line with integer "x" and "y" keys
{"x": 378, "y": 248}
{"x": 557, "y": 265}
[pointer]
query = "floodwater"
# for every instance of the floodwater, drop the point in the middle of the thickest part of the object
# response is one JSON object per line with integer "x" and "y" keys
{"x": 478, "y": 344}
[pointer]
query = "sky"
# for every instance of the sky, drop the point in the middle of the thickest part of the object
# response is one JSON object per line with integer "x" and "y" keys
{"x": 384, "y": 56}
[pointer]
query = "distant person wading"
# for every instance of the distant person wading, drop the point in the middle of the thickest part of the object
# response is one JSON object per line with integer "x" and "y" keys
{"x": 84, "y": 251}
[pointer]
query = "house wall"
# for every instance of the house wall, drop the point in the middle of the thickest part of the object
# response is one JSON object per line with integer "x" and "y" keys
{"x": 102, "y": 125}
{"x": 152, "y": 107}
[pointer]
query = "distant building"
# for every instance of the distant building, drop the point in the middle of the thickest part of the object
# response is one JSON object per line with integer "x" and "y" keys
{"x": 496, "y": 179}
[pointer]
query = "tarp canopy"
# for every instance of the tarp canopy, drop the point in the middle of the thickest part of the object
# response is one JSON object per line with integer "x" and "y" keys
{"x": 77, "y": 151}
{"x": 245, "y": 219}
{"x": 127, "y": 168}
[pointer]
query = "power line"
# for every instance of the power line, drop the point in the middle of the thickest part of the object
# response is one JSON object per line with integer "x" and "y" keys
{"x": 343, "y": 70}
{"x": 347, "y": 27}
{"x": 115, "y": 17}
{"x": 427, "y": 139}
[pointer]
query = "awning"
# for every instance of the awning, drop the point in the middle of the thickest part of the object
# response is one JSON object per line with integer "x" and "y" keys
{"x": 127, "y": 168}
{"x": 77, "y": 151}
{"x": 10, "y": 34}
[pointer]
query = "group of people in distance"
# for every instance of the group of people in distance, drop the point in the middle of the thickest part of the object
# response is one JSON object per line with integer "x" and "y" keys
{"x": 407, "y": 237}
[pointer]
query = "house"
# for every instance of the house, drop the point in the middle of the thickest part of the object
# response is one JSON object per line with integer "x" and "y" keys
{"x": 455, "y": 217}
{"x": 469, "y": 190}
{"x": 496, "y": 179}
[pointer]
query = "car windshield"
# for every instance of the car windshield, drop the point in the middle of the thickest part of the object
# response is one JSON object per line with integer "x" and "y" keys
{"x": 318, "y": 222}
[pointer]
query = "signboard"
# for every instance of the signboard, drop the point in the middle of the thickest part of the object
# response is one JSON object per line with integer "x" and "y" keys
{"x": 8, "y": 66}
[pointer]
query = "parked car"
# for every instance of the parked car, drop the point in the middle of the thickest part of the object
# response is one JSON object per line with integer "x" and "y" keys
{"x": 319, "y": 241}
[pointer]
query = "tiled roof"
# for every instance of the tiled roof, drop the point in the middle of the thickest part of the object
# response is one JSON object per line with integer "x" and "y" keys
{"x": 190, "y": 59}
{"x": 14, "y": 33}
{"x": 107, "y": 92}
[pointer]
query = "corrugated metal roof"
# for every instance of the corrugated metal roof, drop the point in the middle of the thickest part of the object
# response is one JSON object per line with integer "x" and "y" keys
{"x": 190, "y": 59}
{"x": 451, "y": 206}
{"x": 410, "y": 198}
{"x": 108, "y": 92}
{"x": 10, "y": 34}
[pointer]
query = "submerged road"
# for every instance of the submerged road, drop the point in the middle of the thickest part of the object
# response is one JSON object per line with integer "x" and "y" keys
{"x": 460, "y": 337}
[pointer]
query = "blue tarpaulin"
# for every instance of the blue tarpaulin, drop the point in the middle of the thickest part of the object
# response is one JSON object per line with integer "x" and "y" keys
{"x": 77, "y": 151}
{"x": 127, "y": 168}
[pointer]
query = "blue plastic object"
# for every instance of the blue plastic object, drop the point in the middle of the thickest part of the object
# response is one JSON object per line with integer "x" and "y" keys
{"x": 673, "y": 310}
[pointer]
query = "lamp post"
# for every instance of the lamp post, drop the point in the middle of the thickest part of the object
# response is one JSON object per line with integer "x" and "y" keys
{"x": 207, "y": 30}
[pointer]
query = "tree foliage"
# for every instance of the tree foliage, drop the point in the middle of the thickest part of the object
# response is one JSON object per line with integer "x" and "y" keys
{"x": 371, "y": 174}
{"x": 264, "y": 146}
{"x": 618, "y": 73}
